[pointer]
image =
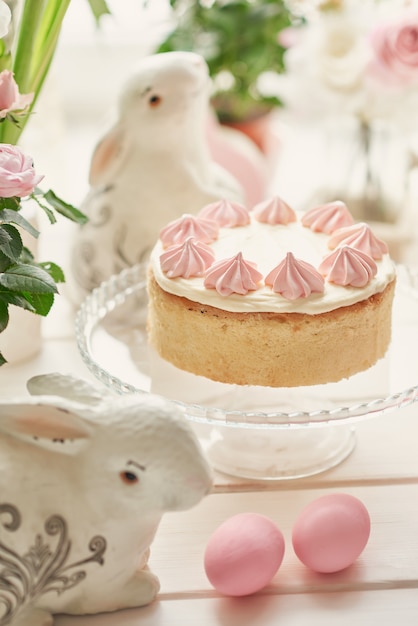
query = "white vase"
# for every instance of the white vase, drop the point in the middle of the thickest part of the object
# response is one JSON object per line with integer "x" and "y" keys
{"x": 22, "y": 338}
{"x": 368, "y": 166}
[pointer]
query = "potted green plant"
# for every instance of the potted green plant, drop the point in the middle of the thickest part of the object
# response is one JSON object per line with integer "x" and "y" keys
{"x": 239, "y": 39}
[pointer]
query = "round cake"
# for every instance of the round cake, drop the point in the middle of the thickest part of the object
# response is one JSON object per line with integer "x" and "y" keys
{"x": 271, "y": 296}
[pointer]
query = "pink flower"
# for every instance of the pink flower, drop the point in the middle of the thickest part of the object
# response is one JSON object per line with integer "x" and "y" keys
{"x": 10, "y": 98}
{"x": 17, "y": 174}
{"x": 395, "y": 44}
{"x": 290, "y": 36}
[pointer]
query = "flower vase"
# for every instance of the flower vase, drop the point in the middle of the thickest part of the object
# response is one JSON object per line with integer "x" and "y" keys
{"x": 368, "y": 166}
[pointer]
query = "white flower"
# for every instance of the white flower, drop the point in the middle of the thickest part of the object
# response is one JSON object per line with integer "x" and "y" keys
{"x": 5, "y": 18}
{"x": 328, "y": 68}
{"x": 341, "y": 52}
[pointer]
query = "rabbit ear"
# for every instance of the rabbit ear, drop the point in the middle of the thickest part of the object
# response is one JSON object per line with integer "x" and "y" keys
{"x": 68, "y": 387}
{"x": 108, "y": 156}
{"x": 44, "y": 424}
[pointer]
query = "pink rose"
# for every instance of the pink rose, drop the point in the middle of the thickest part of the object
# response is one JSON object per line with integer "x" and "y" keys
{"x": 17, "y": 174}
{"x": 395, "y": 44}
{"x": 10, "y": 98}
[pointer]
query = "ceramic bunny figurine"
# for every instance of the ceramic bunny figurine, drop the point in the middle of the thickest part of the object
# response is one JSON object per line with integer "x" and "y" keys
{"x": 85, "y": 478}
{"x": 150, "y": 168}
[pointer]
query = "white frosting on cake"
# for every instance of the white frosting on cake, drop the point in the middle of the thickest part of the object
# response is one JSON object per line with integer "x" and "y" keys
{"x": 266, "y": 245}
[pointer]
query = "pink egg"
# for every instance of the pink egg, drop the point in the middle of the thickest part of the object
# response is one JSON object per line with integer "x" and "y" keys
{"x": 331, "y": 532}
{"x": 243, "y": 554}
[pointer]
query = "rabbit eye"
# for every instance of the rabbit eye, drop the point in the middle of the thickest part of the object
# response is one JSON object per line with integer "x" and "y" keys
{"x": 154, "y": 101}
{"x": 129, "y": 477}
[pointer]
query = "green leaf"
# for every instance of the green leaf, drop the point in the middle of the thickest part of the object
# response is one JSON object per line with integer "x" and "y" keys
{"x": 41, "y": 302}
{"x": 47, "y": 210}
{"x": 22, "y": 277}
{"x": 4, "y": 315}
{"x": 9, "y": 297}
{"x": 99, "y": 8}
{"x": 12, "y": 248}
{"x": 4, "y": 236}
{"x": 5, "y": 262}
{"x": 2, "y": 360}
{"x": 8, "y": 216}
{"x": 65, "y": 209}
{"x": 54, "y": 271}
{"x": 27, "y": 256}
{"x": 10, "y": 203}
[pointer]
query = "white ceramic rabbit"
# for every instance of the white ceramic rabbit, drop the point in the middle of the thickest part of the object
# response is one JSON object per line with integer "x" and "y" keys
{"x": 150, "y": 168}
{"x": 85, "y": 477}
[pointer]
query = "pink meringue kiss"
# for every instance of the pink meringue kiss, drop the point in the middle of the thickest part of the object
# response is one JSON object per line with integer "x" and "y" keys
{"x": 274, "y": 211}
{"x": 294, "y": 279}
{"x": 187, "y": 259}
{"x": 226, "y": 213}
{"x": 233, "y": 275}
{"x": 361, "y": 237}
{"x": 189, "y": 226}
{"x": 327, "y": 217}
{"x": 348, "y": 267}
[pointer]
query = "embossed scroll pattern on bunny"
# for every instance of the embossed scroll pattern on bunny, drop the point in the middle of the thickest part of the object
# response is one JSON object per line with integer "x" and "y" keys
{"x": 153, "y": 166}
{"x": 85, "y": 479}
{"x": 45, "y": 567}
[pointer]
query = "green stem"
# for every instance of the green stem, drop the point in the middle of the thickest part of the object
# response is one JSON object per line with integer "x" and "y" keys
{"x": 46, "y": 41}
{"x": 31, "y": 20}
{"x": 40, "y": 28}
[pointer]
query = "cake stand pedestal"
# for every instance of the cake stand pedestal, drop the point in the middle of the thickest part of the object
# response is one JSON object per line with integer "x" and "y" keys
{"x": 279, "y": 454}
{"x": 252, "y": 432}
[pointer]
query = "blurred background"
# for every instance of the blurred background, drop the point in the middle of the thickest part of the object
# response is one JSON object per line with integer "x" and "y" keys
{"x": 337, "y": 82}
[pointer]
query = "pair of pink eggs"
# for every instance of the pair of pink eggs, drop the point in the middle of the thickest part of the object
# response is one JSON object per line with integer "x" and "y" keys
{"x": 245, "y": 552}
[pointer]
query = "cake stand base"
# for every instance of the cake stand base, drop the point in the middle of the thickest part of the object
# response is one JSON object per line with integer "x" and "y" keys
{"x": 278, "y": 454}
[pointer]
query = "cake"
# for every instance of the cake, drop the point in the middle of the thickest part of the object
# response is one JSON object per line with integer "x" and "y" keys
{"x": 270, "y": 296}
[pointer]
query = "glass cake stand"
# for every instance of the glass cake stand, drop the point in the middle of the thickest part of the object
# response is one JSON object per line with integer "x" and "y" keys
{"x": 253, "y": 432}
